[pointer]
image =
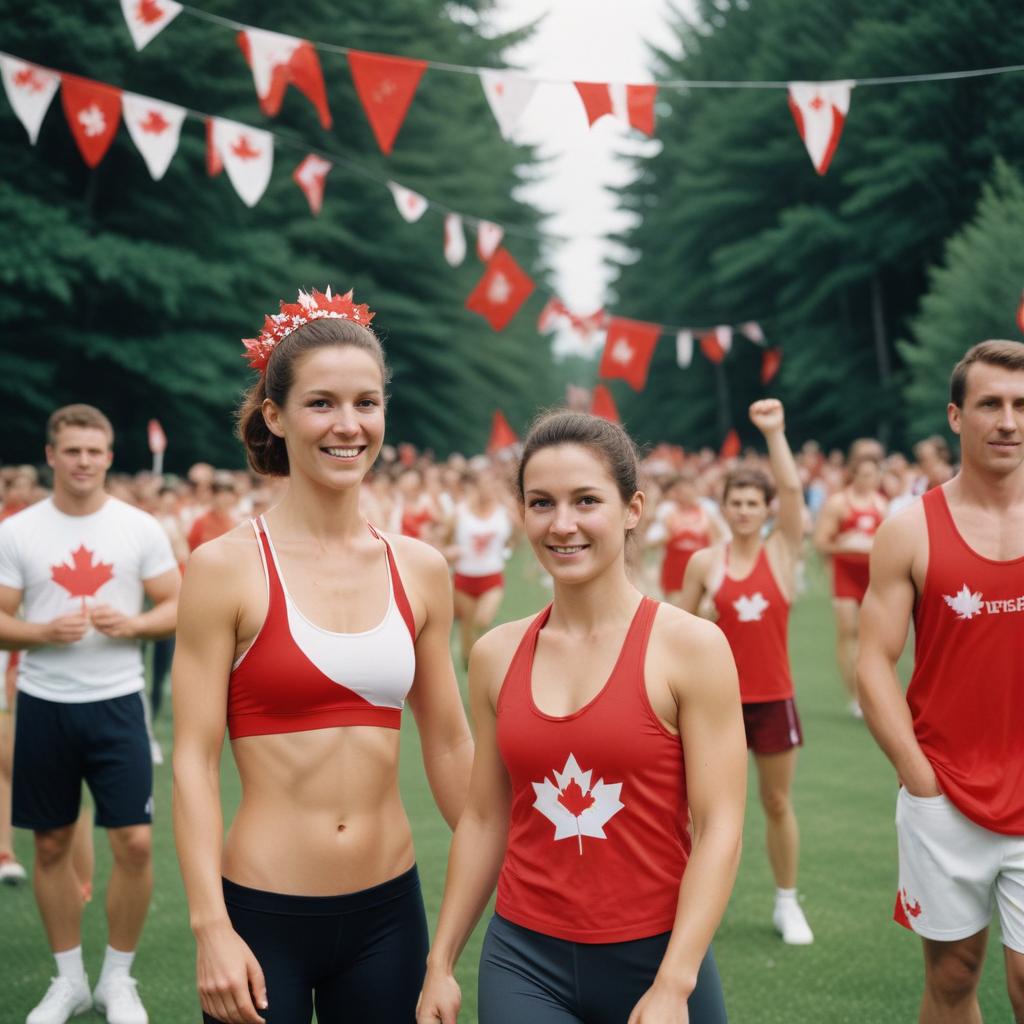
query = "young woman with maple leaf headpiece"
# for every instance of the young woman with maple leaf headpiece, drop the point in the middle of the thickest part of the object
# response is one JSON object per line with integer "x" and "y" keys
{"x": 747, "y": 585}
{"x": 304, "y": 633}
{"x": 602, "y": 724}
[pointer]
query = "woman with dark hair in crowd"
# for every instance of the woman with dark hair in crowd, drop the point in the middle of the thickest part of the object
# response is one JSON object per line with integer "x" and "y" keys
{"x": 602, "y": 724}
{"x": 304, "y": 633}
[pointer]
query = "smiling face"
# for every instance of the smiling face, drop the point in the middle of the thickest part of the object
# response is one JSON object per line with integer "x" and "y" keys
{"x": 574, "y": 515}
{"x": 991, "y": 420}
{"x": 332, "y": 420}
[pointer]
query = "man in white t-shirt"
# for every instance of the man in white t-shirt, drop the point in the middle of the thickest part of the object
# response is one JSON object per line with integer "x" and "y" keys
{"x": 79, "y": 565}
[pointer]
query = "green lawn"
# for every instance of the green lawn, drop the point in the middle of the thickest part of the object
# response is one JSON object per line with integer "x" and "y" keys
{"x": 862, "y": 968}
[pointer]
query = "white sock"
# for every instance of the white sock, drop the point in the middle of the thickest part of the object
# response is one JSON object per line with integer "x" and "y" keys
{"x": 70, "y": 965}
{"x": 116, "y": 963}
{"x": 784, "y": 895}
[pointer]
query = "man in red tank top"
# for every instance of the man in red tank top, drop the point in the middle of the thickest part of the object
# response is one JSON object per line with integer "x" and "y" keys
{"x": 954, "y": 561}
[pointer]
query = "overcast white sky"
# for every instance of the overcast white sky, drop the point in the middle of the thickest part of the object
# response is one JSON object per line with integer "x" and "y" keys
{"x": 583, "y": 40}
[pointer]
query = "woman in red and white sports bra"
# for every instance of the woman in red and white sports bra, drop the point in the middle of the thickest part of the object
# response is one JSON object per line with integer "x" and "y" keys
{"x": 845, "y": 533}
{"x": 304, "y": 633}
{"x": 599, "y": 724}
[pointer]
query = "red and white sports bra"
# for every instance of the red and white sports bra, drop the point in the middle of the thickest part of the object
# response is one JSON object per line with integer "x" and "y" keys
{"x": 296, "y": 676}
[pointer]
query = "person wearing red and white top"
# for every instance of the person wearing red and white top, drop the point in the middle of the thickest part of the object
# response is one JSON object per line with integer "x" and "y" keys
{"x": 600, "y": 723}
{"x": 953, "y": 562}
{"x": 748, "y": 585}
{"x": 844, "y": 533}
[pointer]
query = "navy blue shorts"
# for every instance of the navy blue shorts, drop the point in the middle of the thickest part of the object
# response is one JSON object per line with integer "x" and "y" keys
{"x": 57, "y": 747}
{"x": 526, "y": 976}
{"x": 358, "y": 957}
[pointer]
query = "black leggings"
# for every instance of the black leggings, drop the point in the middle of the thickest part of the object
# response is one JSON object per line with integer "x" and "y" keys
{"x": 359, "y": 957}
{"x": 527, "y": 976}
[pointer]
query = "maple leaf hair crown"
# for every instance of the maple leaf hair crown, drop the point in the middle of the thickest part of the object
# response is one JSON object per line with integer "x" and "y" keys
{"x": 293, "y": 315}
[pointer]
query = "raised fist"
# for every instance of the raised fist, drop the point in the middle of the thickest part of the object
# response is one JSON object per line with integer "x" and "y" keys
{"x": 767, "y": 415}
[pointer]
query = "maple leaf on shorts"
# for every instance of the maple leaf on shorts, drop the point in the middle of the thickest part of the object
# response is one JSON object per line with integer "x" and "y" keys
{"x": 84, "y": 576}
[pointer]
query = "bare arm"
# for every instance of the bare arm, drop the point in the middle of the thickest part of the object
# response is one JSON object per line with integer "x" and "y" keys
{"x": 827, "y": 528}
{"x": 694, "y": 581}
{"x": 18, "y": 635}
{"x": 229, "y": 979}
{"x": 479, "y": 843}
{"x": 884, "y": 621}
{"x": 711, "y": 730}
{"x": 768, "y": 416}
{"x": 154, "y": 624}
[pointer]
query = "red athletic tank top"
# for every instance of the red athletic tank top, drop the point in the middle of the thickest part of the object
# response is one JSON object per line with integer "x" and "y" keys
{"x": 863, "y": 520}
{"x": 598, "y": 835}
{"x": 754, "y": 616}
{"x": 296, "y": 676}
{"x": 679, "y": 549}
{"x": 967, "y": 691}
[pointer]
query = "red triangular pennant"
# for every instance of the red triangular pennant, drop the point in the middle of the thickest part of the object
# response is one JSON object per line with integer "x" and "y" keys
{"x": 386, "y": 86}
{"x": 771, "y": 359}
{"x": 711, "y": 346}
{"x": 214, "y": 164}
{"x": 730, "y": 446}
{"x": 631, "y": 104}
{"x": 93, "y": 111}
{"x": 603, "y": 405}
{"x": 502, "y": 435}
{"x": 628, "y": 350}
{"x": 278, "y": 61}
{"x": 498, "y": 295}
{"x": 311, "y": 176}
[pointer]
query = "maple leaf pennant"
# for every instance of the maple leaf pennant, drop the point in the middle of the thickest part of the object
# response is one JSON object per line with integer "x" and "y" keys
{"x": 93, "y": 111}
{"x": 278, "y": 61}
{"x": 502, "y": 435}
{"x": 631, "y": 104}
{"x": 603, "y": 404}
{"x": 311, "y": 177}
{"x": 386, "y": 86}
{"x": 628, "y": 350}
{"x": 146, "y": 19}
{"x": 771, "y": 360}
{"x": 155, "y": 128}
{"x": 83, "y": 577}
{"x": 502, "y": 290}
{"x": 684, "y": 349}
{"x": 454, "y": 240}
{"x": 30, "y": 90}
{"x": 575, "y": 807}
{"x": 820, "y": 109}
{"x": 247, "y": 154}
{"x": 508, "y": 96}
{"x": 488, "y": 238}
{"x": 411, "y": 205}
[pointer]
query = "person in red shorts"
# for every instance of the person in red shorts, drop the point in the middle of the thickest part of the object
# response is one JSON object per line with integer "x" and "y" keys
{"x": 845, "y": 532}
{"x": 954, "y": 563}
{"x": 748, "y": 585}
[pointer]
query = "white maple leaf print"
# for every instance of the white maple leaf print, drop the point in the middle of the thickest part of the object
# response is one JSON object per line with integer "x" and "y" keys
{"x": 92, "y": 121}
{"x": 499, "y": 290}
{"x": 964, "y": 603}
{"x": 573, "y": 806}
{"x": 622, "y": 352}
{"x": 750, "y": 609}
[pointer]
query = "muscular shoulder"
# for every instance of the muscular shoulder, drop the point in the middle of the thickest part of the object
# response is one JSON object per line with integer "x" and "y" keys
{"x": 906, "y": 528}
{"x": 703, "y": 559}
{"x": 418, "y": 561}
{"x": 225, "y": 563}
{"x": 692, "y": 649}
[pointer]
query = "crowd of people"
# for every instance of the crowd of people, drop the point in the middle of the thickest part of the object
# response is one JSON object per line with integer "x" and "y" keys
{"x": 608, "y": 749}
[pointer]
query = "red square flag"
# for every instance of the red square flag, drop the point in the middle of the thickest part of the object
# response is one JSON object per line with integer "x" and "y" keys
{"x": 628, "y": 350}
{"x": 498, "y": 295}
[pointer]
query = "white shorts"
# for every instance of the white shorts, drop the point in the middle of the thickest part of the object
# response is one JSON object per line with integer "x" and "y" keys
{"x": 952, "y": 870}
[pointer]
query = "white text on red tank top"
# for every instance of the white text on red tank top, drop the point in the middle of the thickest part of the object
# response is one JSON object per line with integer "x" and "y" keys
{"x": 967, "y": 603}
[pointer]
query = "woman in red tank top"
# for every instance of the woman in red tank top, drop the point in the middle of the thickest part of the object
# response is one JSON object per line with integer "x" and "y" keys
{"x": 683, "y": 527}
{"x": 748, "y": 585}
{"x": 600, "y": 724}
{"x": 303, "y": 633}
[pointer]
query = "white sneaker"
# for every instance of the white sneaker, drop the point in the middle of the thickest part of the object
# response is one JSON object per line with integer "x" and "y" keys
{"x": 855, "y": 709}
{"x": 64, "y": 999}
{"x": 791, "y": 924}
{"x": 11, "y": 872}
{"x": 118, "y": 998}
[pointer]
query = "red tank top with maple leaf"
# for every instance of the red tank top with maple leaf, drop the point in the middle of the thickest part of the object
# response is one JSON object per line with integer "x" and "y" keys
{"x": 598, "y": 838}
{"x": 967, "y": 691}
{"x": 754, "y": 616}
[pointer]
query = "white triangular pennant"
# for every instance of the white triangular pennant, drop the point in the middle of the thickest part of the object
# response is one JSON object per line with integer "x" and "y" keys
{"x": 248, "y": 156}
{"x": 268, "y": 50}
{"x": 508, "y": 96}
{"x": 411, "y": 205}
{"x": 454, "y": 240}
{"x": 488, "y": 238}
{"x": 684, "y": 348}
{"x": 148, "y": 18}
{"x": 751, "y": 330}
{"x": 820, "y": 109}
{"x": 723, "y": 332}
{"x": 30, "y": 90}
{"x": 155, "y": 128}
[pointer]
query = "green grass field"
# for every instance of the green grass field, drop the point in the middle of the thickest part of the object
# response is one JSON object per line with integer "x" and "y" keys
{"x": 862, "y": 967}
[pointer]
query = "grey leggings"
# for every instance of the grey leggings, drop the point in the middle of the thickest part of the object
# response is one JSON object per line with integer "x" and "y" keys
{"x": 527, "y": 976}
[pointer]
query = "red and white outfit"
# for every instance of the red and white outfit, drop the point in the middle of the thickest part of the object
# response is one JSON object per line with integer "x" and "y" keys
{"x": 965, "y": 847}
{"x": 753, "y": 614}
{"x": 598, "y": 838}
{"x": 687, "y": 533}
{"x": 481, "y": 541}
{"x": 850, "y": 568}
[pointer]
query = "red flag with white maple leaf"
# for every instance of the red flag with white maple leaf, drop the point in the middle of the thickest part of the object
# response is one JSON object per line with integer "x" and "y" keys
{"x": 502, "y": 290}
{"x": 278, "y": 61}
{"x": 771, "y": 360}
{"x": 603, "y": 404}
{"x": 311, "y": 177}
{"x": 84, "y": 576}
{"x": 30, "y": 90}
{"x": 93, "y": 111}
{"x": 502, "y": 435}
{"x": 730, "y": 446}
{"x": 155, "y": 128}
{"x": 631, "y": 104}
{"x": 386, "y": 86}
{"x": 628, "y": 350}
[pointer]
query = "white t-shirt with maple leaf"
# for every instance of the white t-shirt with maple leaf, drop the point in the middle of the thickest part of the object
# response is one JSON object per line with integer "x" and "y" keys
{"x": 61, "y": 563}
